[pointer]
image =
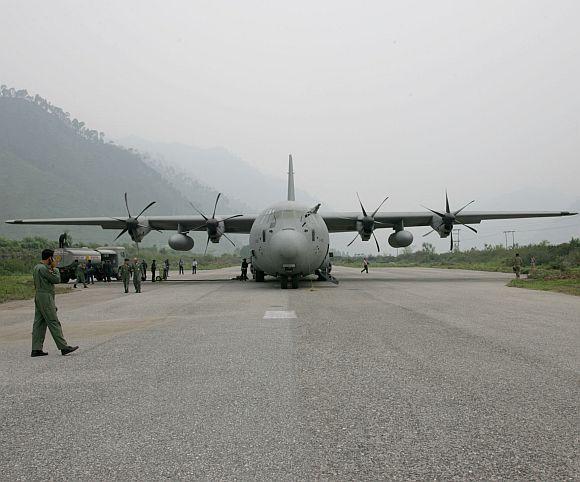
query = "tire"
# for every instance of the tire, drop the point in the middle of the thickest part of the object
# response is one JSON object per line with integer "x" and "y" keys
{"x": 259, "y": 276}
{"x": 284, "y": 282}
{"x": 295, "y": 282}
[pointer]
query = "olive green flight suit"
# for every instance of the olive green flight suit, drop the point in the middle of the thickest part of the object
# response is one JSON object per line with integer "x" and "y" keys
{"x": 80, "y": 274}
{"x": 125, "y": 272}
{"x": 45, "y": 308}
{"x": 137, "y": 277}
{"x": 518, "y": 263}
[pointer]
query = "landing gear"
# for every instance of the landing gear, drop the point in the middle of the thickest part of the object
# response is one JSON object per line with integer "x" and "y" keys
{"x": 259, "y": 275}
{"x": 295, "y": 282}
{"x": 292, "y": 279}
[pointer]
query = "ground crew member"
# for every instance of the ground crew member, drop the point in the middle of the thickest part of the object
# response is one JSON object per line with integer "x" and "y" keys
{"x": 90, "y": 273}
{"x": 107, "y": 268}
{"x": 194, "y": 266}
{"x": 45, "y": 276}
{"x": 153, "y": 268}
{"x": 180, "y": 266}
{"x": 165, "y": 269}
{"x": 80, "y": 274}
{"x": 244, "y": 270}
{"x": 62, "y": 242}
{"x": 517, "y": 265}
{"x": 144, "y": 270}
{"x": 365, "y": 265}
{"x": 137, "y": 275}
{"x": 125, "y": 272}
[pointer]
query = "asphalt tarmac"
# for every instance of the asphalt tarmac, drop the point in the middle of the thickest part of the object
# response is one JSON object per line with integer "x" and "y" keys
{"x": 398, "y": 374}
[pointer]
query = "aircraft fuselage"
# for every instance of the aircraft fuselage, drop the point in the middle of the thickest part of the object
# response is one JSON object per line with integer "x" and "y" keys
{"x": 289, "y": 240}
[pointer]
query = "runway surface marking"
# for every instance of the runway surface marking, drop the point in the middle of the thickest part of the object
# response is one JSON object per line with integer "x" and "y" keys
{"x": 279, "y": 314}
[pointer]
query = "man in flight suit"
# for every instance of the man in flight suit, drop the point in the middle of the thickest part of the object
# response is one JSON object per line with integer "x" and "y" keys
{"x": 125, "y": 272}
{"x": 137, "y": 275}
{"x": 45, "y": 276}
{"x": 80, "y": 274}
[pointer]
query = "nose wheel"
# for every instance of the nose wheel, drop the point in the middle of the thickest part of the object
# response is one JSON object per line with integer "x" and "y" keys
{"x": 284, "y": 280}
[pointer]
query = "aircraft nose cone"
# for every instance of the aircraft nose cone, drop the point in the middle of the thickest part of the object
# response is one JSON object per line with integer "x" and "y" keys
{"x": 287, "y": 244}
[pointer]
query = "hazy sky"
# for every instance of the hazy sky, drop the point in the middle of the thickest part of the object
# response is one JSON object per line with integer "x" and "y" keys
{"x": 388, "y": 98}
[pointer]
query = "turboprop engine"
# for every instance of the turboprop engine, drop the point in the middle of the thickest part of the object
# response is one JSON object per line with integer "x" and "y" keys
{"x": 401, "y": 239}
{"x": 180, "y": 242}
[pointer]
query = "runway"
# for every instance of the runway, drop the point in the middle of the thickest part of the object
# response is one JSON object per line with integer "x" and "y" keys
{"x": 401, "y": 373}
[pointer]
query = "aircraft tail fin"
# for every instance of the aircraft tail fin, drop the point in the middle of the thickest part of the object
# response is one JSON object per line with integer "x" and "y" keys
{"x": 291, "y": 196}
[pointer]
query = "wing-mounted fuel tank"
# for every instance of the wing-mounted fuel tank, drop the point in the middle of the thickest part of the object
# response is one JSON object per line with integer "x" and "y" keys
{"x": 181, "y": 242}
{"x": 401, "y": 239}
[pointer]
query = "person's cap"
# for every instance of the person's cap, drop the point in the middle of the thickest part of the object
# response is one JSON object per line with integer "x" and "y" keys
{"x": 47, "y": 253}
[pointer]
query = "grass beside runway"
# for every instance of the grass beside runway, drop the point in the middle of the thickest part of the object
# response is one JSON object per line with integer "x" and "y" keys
{"x": 569, "y": 285}
{"x": 21, "y": 287}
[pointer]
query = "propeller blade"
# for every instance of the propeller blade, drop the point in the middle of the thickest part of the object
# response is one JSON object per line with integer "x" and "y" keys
{"x": 127, "y": 205}
{"x": 198, "y": 227}
{"x": 459, "y": 210}
{"x": 451, "y": 245}
{"x": 137, "y": 244}
{"x": 361, "y": 205}
{"x": 427, "y": 234}
{"x": 216, "y": 203}
{"x": 148, "y": 206}
{"x": 377, "y": 241}
{"x": 206, "y": 245}
{"x": 232, "y": 217}
{"x": 121, "y": 234}
{"x": 434, "y": 212}
{"x": 353, "y": 240}
{"x": 202, "y": 215}
{"x": 468, "y": 227}
{"x": 225, "y": 236}
{"x": 377, "y": 210}
{"x": 447, "y": 210}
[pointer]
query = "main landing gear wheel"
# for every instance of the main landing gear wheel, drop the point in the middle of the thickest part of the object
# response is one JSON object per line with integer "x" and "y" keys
{"x": 284, "y": 282}
{"x": 259, "y": 276}
{"x": 295, "y": 282}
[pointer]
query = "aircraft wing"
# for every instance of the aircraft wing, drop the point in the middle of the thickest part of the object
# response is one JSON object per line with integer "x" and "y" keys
{"x": 241, "y": 224}
{"x": 346, "y": 221}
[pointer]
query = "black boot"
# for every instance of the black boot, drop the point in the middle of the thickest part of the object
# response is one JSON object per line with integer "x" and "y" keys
{"x": 68, "y": 349}
{"x": 38, "y": 353}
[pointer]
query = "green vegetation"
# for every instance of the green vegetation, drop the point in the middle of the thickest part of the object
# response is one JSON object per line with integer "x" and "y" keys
{"x": 557, "y": 267}
{"x": 21, "y": 287}
{"x": 570, "y": 286}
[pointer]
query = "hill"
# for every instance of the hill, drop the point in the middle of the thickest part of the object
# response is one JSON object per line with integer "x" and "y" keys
{"x": 56, "y": 167}
{"x": 223, "y": 170}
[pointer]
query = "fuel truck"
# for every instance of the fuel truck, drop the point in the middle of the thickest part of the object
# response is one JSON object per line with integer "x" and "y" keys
{"x": 66, "y": 257}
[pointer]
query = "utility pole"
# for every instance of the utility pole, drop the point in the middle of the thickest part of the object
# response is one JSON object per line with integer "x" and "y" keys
{"x": 506, "y": 233}
{"x": 456, "y": 239}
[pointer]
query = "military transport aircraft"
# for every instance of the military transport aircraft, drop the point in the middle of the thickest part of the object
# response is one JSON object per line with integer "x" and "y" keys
{"x": 290, "y": 240}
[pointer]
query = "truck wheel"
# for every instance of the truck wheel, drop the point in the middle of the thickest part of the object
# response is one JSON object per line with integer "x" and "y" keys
{"x": 295, "y": 282}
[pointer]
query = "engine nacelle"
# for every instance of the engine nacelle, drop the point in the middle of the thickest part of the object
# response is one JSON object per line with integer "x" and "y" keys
{"x": 180, "y": 242}
{"x": 401, "y": 239}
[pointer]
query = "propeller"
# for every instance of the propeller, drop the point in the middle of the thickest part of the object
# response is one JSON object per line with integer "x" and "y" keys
{"x": 212, "y": 224}
{"x": 132, "y": 223}
{"x": 368, "y": 222}
{"x": 449, "y": 218}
